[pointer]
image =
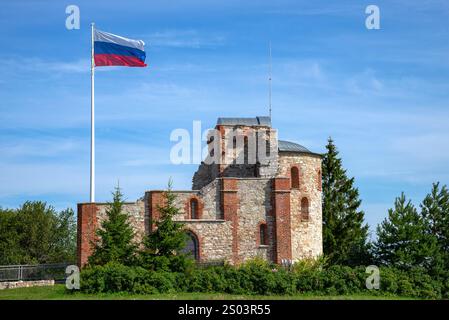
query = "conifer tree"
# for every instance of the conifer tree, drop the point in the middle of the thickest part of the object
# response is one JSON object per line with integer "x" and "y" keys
{"x": 164, "y": 246}
{"x": 402, "y": 238}
{"x": 435, "y": 211}
{"x": 115, "y": 237}
{"x": 344, "y": 232}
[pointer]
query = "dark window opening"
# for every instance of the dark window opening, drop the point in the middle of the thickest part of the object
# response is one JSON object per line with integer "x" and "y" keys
{"x": 304, "y": 209}
{"x": 320, "y": 180}
{"x": 245, "y": 150}
{"x": 294, "y": 177}
{"x": 263, "y": 234}
{"x": 193, "y": 209}
{"x": 268, "y": 144}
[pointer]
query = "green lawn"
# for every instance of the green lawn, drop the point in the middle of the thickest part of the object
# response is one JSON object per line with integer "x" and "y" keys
{"x": 58, "y": 292}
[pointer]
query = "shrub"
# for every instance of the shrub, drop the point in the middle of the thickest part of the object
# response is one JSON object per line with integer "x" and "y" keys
{"x": 114, "y": 277}
{"x": 413, "y": 283}
{"x": 235, "y": 281}
{"x": 206, "y": 280}
{"x": 424, "y": 285}
{"x": 389, "y": 280}
{"x": 92, "y": 280}
{"x": 258, "y": 277}
{"x": 160, "y": 282}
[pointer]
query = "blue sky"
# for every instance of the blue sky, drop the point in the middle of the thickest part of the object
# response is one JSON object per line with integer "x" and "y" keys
{"x": 383, "y": 95}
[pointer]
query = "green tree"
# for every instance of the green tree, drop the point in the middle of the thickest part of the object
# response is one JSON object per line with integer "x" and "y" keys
{"x": 164, "y": 246}
{"x": 37, "y": 233}
{"x": 435, "y": 211}
{"x": 403, "y": 240}
{"x": 115, "y": 236}
{"x": 344, "y": 232}
{"x": 10, "y": 250}
{"x": 64, "y": 236}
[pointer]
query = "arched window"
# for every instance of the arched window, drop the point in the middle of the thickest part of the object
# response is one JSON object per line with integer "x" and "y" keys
{"x": 268, "y": 144}
{"x": 234, "y": 149}
{"x": 304, "y": 209}
{"x": 192, "y": 246}
{"x": 319, "y": 180}
{"x": 245, "y": 150}
{"x": 263, "y": 234}
{"x": 194, "y": 209}
{"x": 294, "y": 177}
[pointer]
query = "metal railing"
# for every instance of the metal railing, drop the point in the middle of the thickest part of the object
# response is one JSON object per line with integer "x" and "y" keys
{"x": 33, "y": 272}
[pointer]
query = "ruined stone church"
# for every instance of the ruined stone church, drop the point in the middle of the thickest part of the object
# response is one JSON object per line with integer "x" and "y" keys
{"x": 268, "y": 205}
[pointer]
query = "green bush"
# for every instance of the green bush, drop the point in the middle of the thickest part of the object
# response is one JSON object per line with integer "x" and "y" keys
{"x": 115, "y": 277}
{"x": 424, "y": 285}
{"x": 234, "y": 281}
{"x": 257, "y": 277}
{"x": 157, "y": 282}
{"x": 389, "y": 280}
{"x": 341, "y": 280}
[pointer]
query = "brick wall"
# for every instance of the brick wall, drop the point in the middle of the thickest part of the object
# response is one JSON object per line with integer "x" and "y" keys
{"x": 282, "y": 219}
{"x": 87, "y": 224}
{"x": 90, "y": 217}
{"x": 230, "y": 203}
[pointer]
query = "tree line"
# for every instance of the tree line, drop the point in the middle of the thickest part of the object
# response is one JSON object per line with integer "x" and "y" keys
{"x": 36, "y": 233}
{"x": 408, "y": 238}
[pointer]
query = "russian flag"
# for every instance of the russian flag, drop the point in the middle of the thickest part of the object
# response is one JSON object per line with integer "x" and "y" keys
{"x": 113, "y": 50}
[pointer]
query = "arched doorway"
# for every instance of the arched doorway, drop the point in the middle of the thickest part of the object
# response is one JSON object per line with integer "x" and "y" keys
{"x": 192, "y": 245}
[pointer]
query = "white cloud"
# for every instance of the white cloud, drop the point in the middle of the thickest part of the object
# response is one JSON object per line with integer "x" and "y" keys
{"x": 328, "y": 9}
{"x": 183, "y": 39}
{"x": 50, "y": 147}
{"x": 22, "y": 64}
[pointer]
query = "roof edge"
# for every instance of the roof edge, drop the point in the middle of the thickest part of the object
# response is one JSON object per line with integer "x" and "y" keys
{"x": 258, "y": 121}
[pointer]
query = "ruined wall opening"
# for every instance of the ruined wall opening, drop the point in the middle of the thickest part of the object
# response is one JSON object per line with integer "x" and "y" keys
{"x": 245, "y": 150}
{"x": 304, "y": 209}
{"x": 294, "y": 177}
{"x": 194, "y": 209}
{"x": 192, "y": 245}
{"x": 263, "y": 234}
{"x": 319, "y": 180}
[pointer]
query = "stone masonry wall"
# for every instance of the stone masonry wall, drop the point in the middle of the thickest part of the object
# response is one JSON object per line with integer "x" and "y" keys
{"x": 26, "y": 284}
{"x": 255, "y": 208}
{"x": 306, "y": 234}
{"x": 211, "y": 229}
{"x": 136, "y": 217}
{"x": 257, "y": 137}
{"x": 215, "y": 242}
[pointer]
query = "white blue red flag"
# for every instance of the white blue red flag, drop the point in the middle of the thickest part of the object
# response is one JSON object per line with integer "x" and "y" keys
{"x": 113, "y": 50}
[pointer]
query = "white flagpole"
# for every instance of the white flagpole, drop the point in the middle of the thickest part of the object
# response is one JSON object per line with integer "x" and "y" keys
{"x": 269, "y": 82}
{"x": 92, "y": 120}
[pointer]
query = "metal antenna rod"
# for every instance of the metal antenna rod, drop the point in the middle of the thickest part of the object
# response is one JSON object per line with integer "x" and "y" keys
{"x": 269, "y": 82}
{"x": 92, "y": 117}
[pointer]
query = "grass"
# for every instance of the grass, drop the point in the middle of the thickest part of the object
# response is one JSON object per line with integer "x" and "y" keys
{"x": 58, "y": 292}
